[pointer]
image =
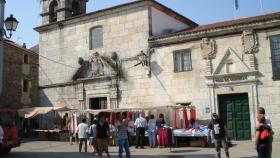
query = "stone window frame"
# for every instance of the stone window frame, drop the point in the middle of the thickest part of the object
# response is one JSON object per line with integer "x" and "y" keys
{"x": 91, "y": 37}
{"x": 25, "y": 59}
{"x": 182, "y": 64}
{"x": 275, "y": 52}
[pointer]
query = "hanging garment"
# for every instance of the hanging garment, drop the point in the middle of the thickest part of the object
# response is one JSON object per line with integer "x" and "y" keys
{"x": 113, "y": 118}
{"x": 174, "y": 119}
{"x": 72, "y": 123}
{"x": 75, "y": 121}
{"x": 186, "y": 121}
{"x": 130, "y": 115}
{"x": 193, "y": 114}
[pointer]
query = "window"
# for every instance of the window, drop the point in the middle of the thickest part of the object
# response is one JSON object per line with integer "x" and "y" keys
{"x": 25, "y": 59}
{"x": 96, "y": 37}
{"x": 275, "y": 56}
{"x": 25, "y": 85}
{"x": 98, "y": 103}
{"x": 182, "y": 60}
{"x": 53, "y": 11}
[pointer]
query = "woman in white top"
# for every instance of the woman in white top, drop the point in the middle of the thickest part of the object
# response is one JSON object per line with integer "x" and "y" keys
{"x": 152, "y": 131}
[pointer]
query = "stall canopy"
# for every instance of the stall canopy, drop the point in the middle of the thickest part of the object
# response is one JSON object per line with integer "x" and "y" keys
{"x": 32, "y": 112}
{"x": 132, "y": 109}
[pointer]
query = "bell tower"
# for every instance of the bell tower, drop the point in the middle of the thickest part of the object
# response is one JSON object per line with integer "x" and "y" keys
{"x": 57, "y": 10}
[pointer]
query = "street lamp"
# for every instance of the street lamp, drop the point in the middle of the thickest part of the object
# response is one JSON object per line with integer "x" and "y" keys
{"x": 11, "y": 24}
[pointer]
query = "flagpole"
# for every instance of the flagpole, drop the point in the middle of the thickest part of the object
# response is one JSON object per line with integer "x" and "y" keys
{"x": 261, "y": 5}
{"x": 234, "y": 11}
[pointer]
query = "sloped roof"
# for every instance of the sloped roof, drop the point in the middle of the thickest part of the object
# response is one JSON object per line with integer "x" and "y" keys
{"x": 25, "y": 50}
{"x": 224, "y": 24}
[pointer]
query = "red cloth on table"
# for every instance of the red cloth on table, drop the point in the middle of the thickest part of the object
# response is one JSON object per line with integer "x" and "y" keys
{"x": 193, "y": 114}
{"x": 186, "y": 121}
{"x": 164, "y": 136}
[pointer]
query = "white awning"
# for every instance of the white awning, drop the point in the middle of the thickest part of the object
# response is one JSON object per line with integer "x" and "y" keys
{"x": 32, "y": 112}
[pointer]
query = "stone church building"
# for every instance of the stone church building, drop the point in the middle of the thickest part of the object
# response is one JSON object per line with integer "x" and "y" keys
{"x": 144, "y": 54}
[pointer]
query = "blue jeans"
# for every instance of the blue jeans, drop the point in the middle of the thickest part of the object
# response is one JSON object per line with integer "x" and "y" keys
{"x": 124, "y": 144}
{"x": 152, "y": 138}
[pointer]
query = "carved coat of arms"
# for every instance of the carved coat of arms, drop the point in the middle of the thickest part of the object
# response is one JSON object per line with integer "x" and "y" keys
{"x": 208, "y": 48}
{"x": 249, "y": 42}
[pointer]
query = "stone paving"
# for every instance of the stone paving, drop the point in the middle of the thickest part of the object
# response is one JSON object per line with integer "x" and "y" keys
{"x": 47, "y": 149}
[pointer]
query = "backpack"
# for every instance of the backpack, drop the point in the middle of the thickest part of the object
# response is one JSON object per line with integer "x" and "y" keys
{"x": 265, "y": 134}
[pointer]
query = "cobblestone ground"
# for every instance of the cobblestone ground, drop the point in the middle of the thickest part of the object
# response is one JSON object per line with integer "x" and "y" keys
{"x": 47, "y": 149}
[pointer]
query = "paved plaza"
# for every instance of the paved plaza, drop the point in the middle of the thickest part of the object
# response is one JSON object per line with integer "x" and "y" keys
{"x": 47, "y": 149}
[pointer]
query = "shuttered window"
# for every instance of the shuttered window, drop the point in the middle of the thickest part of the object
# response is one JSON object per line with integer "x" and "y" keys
{"x": 275, "y": 56}
{"x": 182, "y": 60}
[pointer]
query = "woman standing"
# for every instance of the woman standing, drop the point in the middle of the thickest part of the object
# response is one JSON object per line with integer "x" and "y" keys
{"x": 261, "y": 142}
{"x": 152, "y": 131}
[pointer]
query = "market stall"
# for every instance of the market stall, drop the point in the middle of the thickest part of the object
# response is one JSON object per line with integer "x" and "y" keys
{"x": 181, "y": 120}
{"x": 57, "y": 132}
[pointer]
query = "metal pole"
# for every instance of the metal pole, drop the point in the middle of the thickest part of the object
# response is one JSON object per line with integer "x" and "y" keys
{"x": 2, "y": 12}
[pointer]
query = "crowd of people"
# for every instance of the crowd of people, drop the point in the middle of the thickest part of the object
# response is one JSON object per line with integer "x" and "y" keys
{"x": 97, "y": 134}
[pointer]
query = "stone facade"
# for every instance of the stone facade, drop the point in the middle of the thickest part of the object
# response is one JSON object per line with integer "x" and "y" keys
{"x": 225, "y": 59}
{"x": 15, "y": 72}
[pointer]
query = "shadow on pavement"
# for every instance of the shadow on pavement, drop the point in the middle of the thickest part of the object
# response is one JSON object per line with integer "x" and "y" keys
{"x": 184, "y": 151}
{"x": 89, "y": 155}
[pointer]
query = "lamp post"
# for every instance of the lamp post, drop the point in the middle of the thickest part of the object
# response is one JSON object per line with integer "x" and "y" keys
{"x": 11, "y": 25}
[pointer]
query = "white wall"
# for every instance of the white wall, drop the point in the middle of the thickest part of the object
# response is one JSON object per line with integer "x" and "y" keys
{"x": 162, "y": 22}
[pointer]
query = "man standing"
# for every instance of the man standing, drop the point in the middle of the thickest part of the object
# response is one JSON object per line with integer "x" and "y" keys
{"x": 82, "y": 131}
{"x": 122, "y": 135}
{"x": 267, "y": 124}
{"x": 102, "y": 135}
{"x": 140, "y": 124}
{"x": 219, "y": 132}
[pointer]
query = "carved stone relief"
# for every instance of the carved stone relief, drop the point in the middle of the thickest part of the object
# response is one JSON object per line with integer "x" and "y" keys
{"x": 249, "y": 42}
{"x": 94, "y": 67}
{"x": 208, "y": 49}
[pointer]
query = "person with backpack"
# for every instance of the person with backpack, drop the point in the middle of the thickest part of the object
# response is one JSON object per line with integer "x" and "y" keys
{"x": 263, "y": 133}
{"x": 267, "y": 124}
{"x": 219, "y": 131}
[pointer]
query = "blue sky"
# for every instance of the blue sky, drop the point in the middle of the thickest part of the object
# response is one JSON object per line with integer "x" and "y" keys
{"x": 201, "y": 11}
